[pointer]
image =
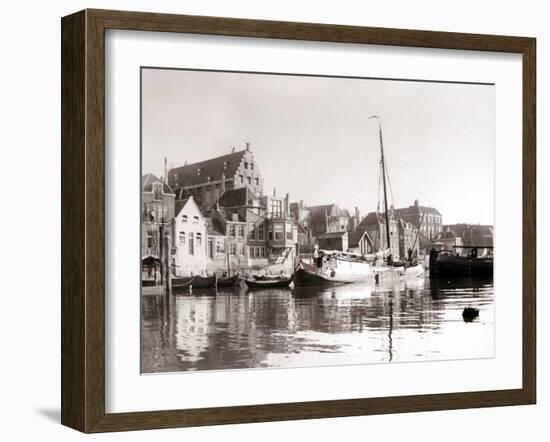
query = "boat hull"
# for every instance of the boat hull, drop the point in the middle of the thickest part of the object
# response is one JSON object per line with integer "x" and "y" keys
{"x": 267, "y": 284}
{"x": 196, "y": 282}
{"x": 447, "y": 266}
{"x": 344, "y": 272}
{"x": 230, "y": 281}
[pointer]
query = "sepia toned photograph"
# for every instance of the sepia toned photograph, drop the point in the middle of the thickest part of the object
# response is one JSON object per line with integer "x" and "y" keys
{"x": 306, "y": 221}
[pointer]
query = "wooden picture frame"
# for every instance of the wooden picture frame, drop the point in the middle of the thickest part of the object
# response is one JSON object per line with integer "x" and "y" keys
{"x": 83, "y": 220}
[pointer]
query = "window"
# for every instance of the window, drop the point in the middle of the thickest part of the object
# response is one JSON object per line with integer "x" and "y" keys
{"x": 261, "y": 232}
{"x": 252, "y": 252}
{"x": 270, "y": 233}
{"x": 184, "y": 218}
{"x": 195, "y": 220}
{"x": 251, "y": 166}
{"x": 241, "y": 230}
{"x": 245, "y": 165}
{"x": 191, "y": 244}
{"x": 219, "y": 246}
{"x": 182, "y": 238}
{"x": 262, "y": 252}
{"x": 241, "y": 249}
{"x": 279, "y": 230}
{"x": 231, "y": 229}
{"x": 251, "y": 232}
{"x": 157, "y": 191}
{"x": 199, "y": 171}
{"x": 276, "y": 207}
{"x": 241, "y": 177}
{"x": 199, "y": 239}
{"x": 150, "y": 240}
{"x": 257, "y": 181}
{"x": 232, "y": 249}
{"x": 249, "y": 179}
{"x": 210, "y": 248}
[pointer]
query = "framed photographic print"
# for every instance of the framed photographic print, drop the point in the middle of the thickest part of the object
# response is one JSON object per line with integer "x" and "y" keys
{"x": 271, "y": 220}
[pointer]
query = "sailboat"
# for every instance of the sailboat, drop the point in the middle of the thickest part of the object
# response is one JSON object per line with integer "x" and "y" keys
{"x": 388, "y": 266}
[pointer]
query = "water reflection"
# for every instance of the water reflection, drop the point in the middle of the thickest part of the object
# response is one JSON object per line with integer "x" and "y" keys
{"x": 351, "y": 324}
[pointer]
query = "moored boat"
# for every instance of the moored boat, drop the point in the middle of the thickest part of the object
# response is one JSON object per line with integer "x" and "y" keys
{"x": 196, "y": 282}
{"x": 228, "y": 281}
{"x": 450, "y": 264}
{"x": 268, "y": 283}
{"x": 333, "y": 268}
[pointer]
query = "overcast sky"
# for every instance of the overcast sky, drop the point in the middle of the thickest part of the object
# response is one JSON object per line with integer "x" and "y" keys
{"x": 311, "y": 138}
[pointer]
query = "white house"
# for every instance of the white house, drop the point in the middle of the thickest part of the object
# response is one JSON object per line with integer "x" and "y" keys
{"x": 190, "y": 239}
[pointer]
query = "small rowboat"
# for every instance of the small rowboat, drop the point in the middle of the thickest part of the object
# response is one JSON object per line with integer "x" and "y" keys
{"x": 196, "y": 282}
{"x": 268, "y": 283}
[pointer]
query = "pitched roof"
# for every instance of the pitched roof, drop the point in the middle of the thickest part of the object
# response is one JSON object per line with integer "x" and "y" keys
{"x": 417, "y": 209}
{"x": 234, "y": 197}
{"x": 147, "y": 181}
{"x": 354, "y": 238}
{"x": 370, "y": 219}
{"x": 180, "y": 204}
{"x": 188, "y": 175}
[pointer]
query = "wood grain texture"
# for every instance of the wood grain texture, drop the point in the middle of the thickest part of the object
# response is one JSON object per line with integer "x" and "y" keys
{"x": 83, "y": 219}
{"x": 73, "y": 210}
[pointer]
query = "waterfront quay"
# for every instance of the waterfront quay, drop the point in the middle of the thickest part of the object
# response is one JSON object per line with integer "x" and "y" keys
{"x": 214, "y": 217}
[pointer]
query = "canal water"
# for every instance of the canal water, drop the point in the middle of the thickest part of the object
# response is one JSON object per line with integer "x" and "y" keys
{"x": 418, "y": 320}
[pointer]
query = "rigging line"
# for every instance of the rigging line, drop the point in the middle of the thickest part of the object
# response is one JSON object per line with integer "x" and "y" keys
{"x": 389, "y": 182}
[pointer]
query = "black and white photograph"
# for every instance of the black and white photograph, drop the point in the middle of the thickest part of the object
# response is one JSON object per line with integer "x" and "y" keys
{"x": 306, "y": 221}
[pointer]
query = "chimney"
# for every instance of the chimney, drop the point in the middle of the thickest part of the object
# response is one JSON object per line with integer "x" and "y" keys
{"x": 247, "y": 146}
{"x": 357, "y": 214}
{"x": 274, "y": 191}
{"x": 301, "y": 204}
{"x": 287, "y": 203}
{"x": 222, "y": 184}
{"x": 164, "y": 178}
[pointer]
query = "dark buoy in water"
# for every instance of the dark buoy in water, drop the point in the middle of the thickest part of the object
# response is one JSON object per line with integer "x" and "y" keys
{"x": 470, "y": 313}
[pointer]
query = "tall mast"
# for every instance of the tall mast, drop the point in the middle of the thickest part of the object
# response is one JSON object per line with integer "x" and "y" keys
{"x": 387, "y": 216}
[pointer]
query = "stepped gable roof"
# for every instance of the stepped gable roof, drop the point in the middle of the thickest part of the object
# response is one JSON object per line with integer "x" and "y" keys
{"x": 147, "y": 181}
{"x": 354, "y": 238}
{"x": 188, "y": 175}
{"x": 234, "y": 197}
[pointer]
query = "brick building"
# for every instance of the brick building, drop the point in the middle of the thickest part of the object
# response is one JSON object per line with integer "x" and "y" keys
{"x": 430, "y": 218}
{"x": 208, "y": 180}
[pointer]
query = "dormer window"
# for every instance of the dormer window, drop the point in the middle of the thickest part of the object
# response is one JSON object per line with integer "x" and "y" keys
{"x": 224, "y": 165}
{"x": 195, "y": 220}
{"x": 251, "y": 166}
{"x": 184, "y": 218}
{"x": 245, "y": 165}
{"x": 199, "y": 171}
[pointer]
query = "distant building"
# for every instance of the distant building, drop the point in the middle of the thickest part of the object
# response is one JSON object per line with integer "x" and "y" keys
{"x": 157, "y": 210}
{"x": 328, "y": 219}
{"x": 359, "y": 242}
{"x": 416, "y": 214}
{"x": 473, "y": 234}
{"x": 375, "y": 226}
{"x": 189, "y": 239}
{"x": 408, "y": 239}
{"x": 334, "y": 241}
{"x": 208, "y": 180}
{"x": 447, "y": 239}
